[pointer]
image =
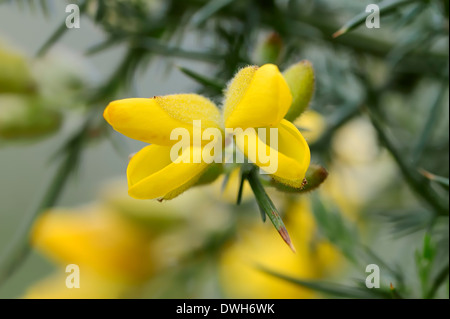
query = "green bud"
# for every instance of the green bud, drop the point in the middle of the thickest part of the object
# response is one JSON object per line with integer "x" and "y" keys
{"x": 26, "y": 117}
{"x": 15, "y": 76}
{"x": 300, "y": 78}
{"x": 269, "y": 51}
{"x": 315, "y": 176}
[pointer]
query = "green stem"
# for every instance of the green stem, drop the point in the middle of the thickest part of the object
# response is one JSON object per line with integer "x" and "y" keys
{"x": 430, "y": 123}
{"x": 440, "y": 278}
{"x": 157, "y": 47}
{"x": 59, "y": 32}
{"x": 417, "y": 182}
{"x": 432, "y": 62}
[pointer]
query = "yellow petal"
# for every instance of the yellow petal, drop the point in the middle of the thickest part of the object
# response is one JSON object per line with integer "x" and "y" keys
{"x": 257, "y": 97}
{"x": 292, "y": 154}
{"x": 152, "y": 120}
{"x": 152, "y": 174}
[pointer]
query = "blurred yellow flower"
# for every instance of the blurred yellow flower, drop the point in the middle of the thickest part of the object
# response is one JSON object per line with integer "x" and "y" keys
{"x": 360, "y": 169}
{"x": 315, "y": 258}
{"x": 121, "y": 244}
{"x": 312, "y": 125}
{"x": 255, "y": 98}
{"x": 98, "y": 241}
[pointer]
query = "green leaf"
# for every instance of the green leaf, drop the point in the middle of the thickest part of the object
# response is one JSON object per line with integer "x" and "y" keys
{"x": 443, "y": 181}
{"x": 328, "y": 288}
{"x": 57, "y": 34}
{"x": 217, "y": 85}
{"x": 385, "y": 7}
{"x": 405, "y": 222}
{"x": 208, "y": 10}
{"x": 266, "y": 205}
{"x": 337, "y": 230}
{"x": 241, "y": 188}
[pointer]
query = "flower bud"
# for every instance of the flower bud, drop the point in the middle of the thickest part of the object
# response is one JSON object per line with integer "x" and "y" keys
{"x": 300, "y": 78}
{"x": 269, "y": 51}
{"x": 15, "y": 76}
{"x": 315, "y": 176}
{"x": 25, "y": 117}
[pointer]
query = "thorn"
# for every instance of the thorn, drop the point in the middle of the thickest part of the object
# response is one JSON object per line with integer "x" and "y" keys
{"x": 339, "y": 33}
{"x": 285, "y": 235}
{"x": 160, "y": 200}
{"x": 426, "y": 174}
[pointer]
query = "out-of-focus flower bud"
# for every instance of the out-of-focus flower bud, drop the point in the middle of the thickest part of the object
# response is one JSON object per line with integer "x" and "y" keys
{"x": 97, "y": 240}
{"x": 300, "y": 78}
{"x": 26, "y": 117}
{"x": 269, "y": 50}
{"x": 15, "y": 76}
{"x": 315, "y": 176}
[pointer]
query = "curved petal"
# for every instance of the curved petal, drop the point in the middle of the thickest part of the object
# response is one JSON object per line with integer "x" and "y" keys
{"x": 291, "y": 155}
{"x": 152, "y": 120}
{"x": 152, "y": 174}
{"x": 257, "y": 97}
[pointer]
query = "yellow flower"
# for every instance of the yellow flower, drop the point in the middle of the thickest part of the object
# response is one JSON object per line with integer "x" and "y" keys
{"x": 98, "y": 240}
{"x": 257, "y": 97}
{"x": 256, "y": 247}
{"x": 120, "y": 244}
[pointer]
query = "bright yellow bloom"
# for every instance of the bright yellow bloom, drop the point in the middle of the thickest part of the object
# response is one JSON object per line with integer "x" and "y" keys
{"x": 258, "y": 97}
{"x": 256, "y": 246}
